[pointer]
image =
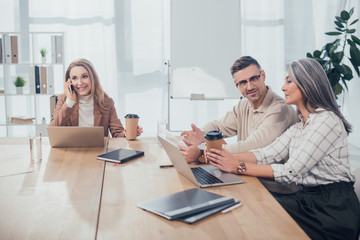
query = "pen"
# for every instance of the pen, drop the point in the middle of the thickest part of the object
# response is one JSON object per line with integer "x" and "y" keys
{"x": 166, "y": 166}
{"x": 231, "y": 208}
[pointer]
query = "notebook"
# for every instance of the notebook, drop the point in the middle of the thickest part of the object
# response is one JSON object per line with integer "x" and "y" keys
{"x": 120, "y": 155}
{"x": 186, "y": 204}
{"x": 76, "y": 137}
{"x": 213, "y": 175}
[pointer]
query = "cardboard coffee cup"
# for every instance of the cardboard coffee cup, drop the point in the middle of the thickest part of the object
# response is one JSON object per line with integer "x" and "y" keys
{"x": 214, "y": 139}
{"x": 131, "y": 123}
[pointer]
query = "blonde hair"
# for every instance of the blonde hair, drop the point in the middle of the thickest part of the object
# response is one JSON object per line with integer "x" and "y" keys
{"x": 96, "y": 90}
{"x": 312, "y": 80}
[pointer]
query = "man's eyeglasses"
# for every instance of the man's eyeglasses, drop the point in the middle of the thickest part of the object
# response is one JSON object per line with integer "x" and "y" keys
{"x": 254, "y": 79}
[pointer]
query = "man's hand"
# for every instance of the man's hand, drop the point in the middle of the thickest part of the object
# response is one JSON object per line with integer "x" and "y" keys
{"x": 191, "y": 153}
{"x": 193, "y": 137}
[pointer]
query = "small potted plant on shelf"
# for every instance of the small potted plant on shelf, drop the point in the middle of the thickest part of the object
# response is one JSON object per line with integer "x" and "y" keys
{"x": 43, "y": 53}
{"x": 19, "y": 84}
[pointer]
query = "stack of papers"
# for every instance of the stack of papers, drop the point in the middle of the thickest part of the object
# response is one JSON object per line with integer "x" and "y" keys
{"x": 188, "y": 206}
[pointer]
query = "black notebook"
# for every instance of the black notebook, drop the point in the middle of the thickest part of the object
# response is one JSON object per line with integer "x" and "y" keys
{"x": 120, "y": 155}
{"x": 185, "y": 204}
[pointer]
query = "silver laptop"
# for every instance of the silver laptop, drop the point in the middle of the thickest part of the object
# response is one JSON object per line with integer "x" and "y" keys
{"x": 76, "y": 137}
{"x": 202, "y": 176}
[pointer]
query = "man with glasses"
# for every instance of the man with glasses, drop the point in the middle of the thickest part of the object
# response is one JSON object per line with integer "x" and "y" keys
{"x": 257, "y": 120}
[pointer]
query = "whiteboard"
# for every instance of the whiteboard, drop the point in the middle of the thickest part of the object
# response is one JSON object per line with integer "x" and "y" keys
{"x": 204, "y": 43}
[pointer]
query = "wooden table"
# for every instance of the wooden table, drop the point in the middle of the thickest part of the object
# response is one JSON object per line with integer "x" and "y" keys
{"x": 71, "y": 195}
{"x": 59, "y": 200}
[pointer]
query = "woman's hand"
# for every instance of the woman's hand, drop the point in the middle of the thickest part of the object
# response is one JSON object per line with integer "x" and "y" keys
{"x": 71, "y": 96}
{"x": 222, "y": 159}
{"x": 139, "y": 130}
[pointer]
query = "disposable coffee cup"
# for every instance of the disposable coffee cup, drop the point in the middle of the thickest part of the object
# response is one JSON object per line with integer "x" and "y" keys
{"x": 214, "y": 139}
{"x": 131, "y": 123}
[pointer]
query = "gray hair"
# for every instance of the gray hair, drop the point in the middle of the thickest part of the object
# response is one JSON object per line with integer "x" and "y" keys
{"x": 311, "y": 78}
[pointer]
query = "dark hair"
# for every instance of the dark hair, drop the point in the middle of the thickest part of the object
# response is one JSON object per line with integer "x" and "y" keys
{"x": 311, "y": 78}
{"x": 242, "y": 63}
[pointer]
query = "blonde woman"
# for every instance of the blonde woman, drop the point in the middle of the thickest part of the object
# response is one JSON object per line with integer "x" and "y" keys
{"x": 85, "y": 103}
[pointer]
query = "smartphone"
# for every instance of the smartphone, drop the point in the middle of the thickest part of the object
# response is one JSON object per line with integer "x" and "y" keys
{"x": 71, "y": 88}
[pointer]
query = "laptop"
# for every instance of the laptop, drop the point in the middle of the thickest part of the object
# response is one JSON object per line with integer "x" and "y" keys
{"x": 202, "y": 176}
{"x": 61, "y": 137}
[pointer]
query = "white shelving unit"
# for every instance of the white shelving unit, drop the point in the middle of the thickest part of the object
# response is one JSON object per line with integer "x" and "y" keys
{"x": 25, "y": 56}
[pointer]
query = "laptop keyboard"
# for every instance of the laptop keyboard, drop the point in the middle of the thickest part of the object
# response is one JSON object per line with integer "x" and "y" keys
{"x": 203, "y": 177}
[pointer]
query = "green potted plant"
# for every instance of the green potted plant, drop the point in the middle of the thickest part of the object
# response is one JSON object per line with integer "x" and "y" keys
{"x": 335, "y": 55}
{"x": 43, "y": 53}
{"x": 19, "y": 84}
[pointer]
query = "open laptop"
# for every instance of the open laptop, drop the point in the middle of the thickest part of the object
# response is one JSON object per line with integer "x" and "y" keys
{"x": 76, "y": 136}
{"x": 202, "y": 176}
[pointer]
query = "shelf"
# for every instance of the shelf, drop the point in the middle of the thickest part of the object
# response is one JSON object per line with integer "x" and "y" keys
{"x": 21, "y": 124}
{"x": 22, "y": 58}
{"x": 25, "y": 94}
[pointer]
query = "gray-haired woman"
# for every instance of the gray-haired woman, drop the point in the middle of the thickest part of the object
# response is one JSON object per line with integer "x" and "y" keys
{"x": 315, "y": 152}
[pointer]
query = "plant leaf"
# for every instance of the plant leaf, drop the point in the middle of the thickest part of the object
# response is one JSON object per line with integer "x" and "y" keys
{"x": 322, "y": 61}
{"x": 334, "y": 77}
{"x": 338, "y": 67}
{"x": 348, "y": 76}
{"x": 351, "y": 11}
{"x": 341, "y": 30}
{"x": 347, "y": 69}
{"x": 350, "y": 30}
{"x": 344, "y": 15}
{"x": 309, "y": 55}
{"x": 355, "y": 66}
{"x": 344, "y": 82}
{"x": 331, "y": 49}
{"x": 337, "y": 57}
{"x": 338, "y": 88}
{"x": 337, "y": 41}
{"x": 317, "y": 54}
{"x": 355, "y": 39}
{"x": 333, "y": 33}
{"x": 339, "y": 24}
{"x": 354, "y": 22}
{"x": 351, "y": 43}
{"x": 340, "y": 19}
{"x": 355, "y": 55}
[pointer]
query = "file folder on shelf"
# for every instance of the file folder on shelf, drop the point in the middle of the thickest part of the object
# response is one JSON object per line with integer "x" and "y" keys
{"x": 14, "y": 49}
{"x": 43, "y": 80}
{"x": 1, "y": 51}
{"x": 7, "y": 45}
{"x": 37, "y": 80}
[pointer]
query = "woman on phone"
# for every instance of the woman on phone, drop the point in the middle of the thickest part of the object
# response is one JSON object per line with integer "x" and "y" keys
{"x": 313, "y": 153}
{"x": 85, "y": 103}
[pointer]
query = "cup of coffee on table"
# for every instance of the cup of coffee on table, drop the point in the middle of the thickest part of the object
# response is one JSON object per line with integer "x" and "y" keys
{"x": 131, "y": 123}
